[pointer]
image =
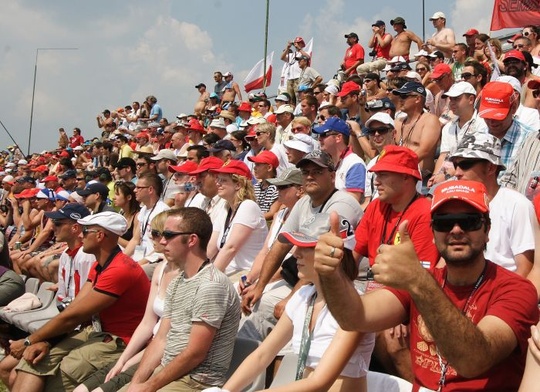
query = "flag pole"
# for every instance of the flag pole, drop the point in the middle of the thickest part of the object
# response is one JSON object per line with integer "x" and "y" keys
{"x": 265, "y": 43}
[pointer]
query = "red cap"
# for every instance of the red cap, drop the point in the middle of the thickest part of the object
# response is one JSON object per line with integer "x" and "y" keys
{"x": 143, "y": 134}
{"x": 495, "y": 101}
{"x": 440, "y": 70}
{"x": 300, "y": 40}
{"x": 195, "y": 125}
{"x": 471, "y": 32}
{"x": 515, "y": 54}
{"x": 27, "y": 193}
{"x": 40, "y": 169}
{"x": 347, "y": 88}
{"x": 470, "y": 192}
{"x": 206, "y": 164}
{"x": 235, "y": 167}
{"x": 186, "y": 168}
{"x": 64, "y": 154}
{"x": 397, "y": 159}
{"x": 244, "y": 107}
{"x": 265, "y": 157}
{"x": 50, "y": 178}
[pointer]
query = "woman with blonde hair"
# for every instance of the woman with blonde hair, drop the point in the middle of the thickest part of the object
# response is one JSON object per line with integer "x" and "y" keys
{"x": 244, "y": 230}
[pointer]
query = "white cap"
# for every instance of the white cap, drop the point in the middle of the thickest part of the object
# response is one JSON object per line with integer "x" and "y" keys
{"x": 460, "y": 88}
{"x": 165, "y": 154}
{"x": 421, "y": 53}
{"x": 10, "y": 164}
{"x": 413, "y": 75}
{"x": 218, "y": 123}
{"x": 231, "y": 128}
{"x": 301, "y": 142}
{"x": 516, "y": 85}
{"x": 8, "y": 178}
{"x": 78, "y": 148}
{"x": 438, "y": 15}
{"x": 394, "y": 60}
{"x": 332, "y": 89}
{"x": 381, "y": 117}
{"x": 284, "y": 109}
{"x": 255, "y": 121}
{"x": 22, "y": 162}
{"x": 111, "y": 221}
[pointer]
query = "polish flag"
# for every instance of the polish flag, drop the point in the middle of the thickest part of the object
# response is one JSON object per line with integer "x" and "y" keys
{"x": 514, "y": 13}
{"x": 255, "y": 78}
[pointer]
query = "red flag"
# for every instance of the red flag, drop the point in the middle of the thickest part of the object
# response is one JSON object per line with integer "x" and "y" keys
{"x": 255, "y": 78}
{"x": 514, "y": 13}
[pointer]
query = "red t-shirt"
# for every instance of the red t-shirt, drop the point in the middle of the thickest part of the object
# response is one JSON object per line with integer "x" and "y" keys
{"x": 75, "y": 141}
{"x": 125, "y": 280}
{"x": 383, "y": 52}
{"x": 352, "y": 55}
{"x": 503, "y": 294}
{"x": 372, "y": 230}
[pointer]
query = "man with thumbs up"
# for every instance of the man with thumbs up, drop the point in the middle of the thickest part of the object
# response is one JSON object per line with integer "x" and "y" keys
{"x": 469, "y": 321}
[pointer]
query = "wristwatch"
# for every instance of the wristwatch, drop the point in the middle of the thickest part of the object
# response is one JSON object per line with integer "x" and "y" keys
{"x": 27, "y": 342}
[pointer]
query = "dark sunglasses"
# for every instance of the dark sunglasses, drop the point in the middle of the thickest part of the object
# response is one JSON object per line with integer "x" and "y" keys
{"x": 421, "y": 69}
{"x": 59, "y": 222}
{"x": 156, "y": 234}
{"x": 327, "y": 134}
{"x": 169, "y": 235}
{"x": 471, "y": 221}
{"x": 467, "y": 75}
{"x": 379, "y": 130}
{"x": 259, "y": 133}
{"x": 467, "y": 164}
{"x": 518, "y": 46}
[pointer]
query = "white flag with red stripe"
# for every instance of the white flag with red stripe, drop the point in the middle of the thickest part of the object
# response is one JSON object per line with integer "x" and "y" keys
{"x": 255, "y": 78}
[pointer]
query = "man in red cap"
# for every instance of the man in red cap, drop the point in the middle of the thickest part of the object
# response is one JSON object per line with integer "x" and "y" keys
{"x": 470, "y": 36}
{"x": 469, "y": 321}
{"x": 444, "y": 78}
{"x": 351, "y": 100}
{"x": 498, "y": 105}
{"x": 292, "y": 71}
{"x": 195, "y": 131}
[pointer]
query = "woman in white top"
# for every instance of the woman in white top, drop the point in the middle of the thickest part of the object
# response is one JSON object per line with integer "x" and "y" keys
{"x": 116, "y": 375}
{"x": 243, "y": 233}
{"x": 330, "y": 358}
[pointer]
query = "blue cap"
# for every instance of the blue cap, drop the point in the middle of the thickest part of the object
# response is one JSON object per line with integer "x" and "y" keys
{"x": 214, "y": 95}
{"x": 303, "y": 87}
{"x": 333, "y": 124}
{"x": 411, "y": 87}
{"x": 72, "y": 211}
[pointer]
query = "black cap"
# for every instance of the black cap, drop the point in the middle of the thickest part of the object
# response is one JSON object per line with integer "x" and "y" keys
{"x": 411, "y": 87}
{"x": 351, "y": 35}
{"x": 96, "y": 187}
{"x": 379, "y": 23}
{"x": 126, "y": 162}
{"x": 68, "y": 174}
{"x": 24, "y": 179}
{"x": 221, "y": 145}
{"x": 200, "y": 85}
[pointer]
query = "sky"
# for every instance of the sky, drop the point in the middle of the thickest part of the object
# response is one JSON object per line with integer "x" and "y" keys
{"x": 127, "y": 50}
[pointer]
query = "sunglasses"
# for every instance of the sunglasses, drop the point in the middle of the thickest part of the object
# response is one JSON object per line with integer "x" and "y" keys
{"x": 327, "y": 134}
{"x": 421, "y": 69}
{"x": 379, "y": 130}
{"x": 141, "y": 164}
{"x": 58, "y": 222}
{"x": 467, "y": 221}
{"x": 156, "y": 234}
{"x": 85, "y": 230}
{"x": 258, "y": 133}
{"x": 518, "y": 46}
{"x": 467, "y": 164}
{"x": 526, "y": 33}
{"x": 406, "y": 96}
{"x": 467, "y": 75}
{"x": 169, "y": 235}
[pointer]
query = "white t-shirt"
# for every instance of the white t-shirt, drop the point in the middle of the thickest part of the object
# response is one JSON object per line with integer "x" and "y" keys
{"x": 73, "y": 273}
{"x": 145, "y": 219}
{"x": 452, "y": 133}
{"x": 248, "y": 214}
{"x": 323, "y": 333}
{"x": 512, "y": 227}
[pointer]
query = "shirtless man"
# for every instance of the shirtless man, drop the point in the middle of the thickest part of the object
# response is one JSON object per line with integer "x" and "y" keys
{"x": 420, "y": 131}
{"x": 203, "y": 98}
{"x": 401, "y": 44}
{"x": 444, "y": 38}
{"x": 232, "y": 89}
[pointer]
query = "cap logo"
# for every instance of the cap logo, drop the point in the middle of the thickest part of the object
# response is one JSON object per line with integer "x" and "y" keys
{"x": 494, "y": 100}
{"x": 458, "y": 188}
{"x": 75, "y": 216}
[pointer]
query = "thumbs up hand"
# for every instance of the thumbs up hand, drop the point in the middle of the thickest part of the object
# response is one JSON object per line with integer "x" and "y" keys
{"x": 398, "y": 265}
{"x": 329, "y": 249}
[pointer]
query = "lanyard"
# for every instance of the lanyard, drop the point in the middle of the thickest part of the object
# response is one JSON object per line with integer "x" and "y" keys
{"x": 145, "y": 226}
{"x": 444, "y": 364}
{"x": 404, "y": 142}
{"x": 387, "y": 218}
{"x": 305, "y": 343}
{"x": 228, "y": 223}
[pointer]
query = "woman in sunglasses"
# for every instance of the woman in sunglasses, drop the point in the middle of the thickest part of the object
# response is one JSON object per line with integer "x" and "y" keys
{"x": 117, "y": 374}
{"x": 532, "y": 33}
{"x": 330, "y": 358}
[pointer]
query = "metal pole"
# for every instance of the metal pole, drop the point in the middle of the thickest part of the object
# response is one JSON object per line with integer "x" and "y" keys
{"x": 34, "y": 92}
{"x": 265, "y": 43}
{"x": 423, "y": 20}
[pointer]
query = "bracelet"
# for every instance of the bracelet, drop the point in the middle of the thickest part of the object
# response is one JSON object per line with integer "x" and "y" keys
{"x": 359, "y": 135}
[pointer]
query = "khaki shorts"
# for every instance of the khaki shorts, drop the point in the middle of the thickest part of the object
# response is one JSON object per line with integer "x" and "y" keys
{"x": 75, "y": 358}
{"x": 184, "y": 384}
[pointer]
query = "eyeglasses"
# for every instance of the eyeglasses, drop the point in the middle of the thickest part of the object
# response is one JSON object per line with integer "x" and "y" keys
{"x": 327, "y": 134}
{"x": 467, "y": 75}
{"x": 141, "y": 164}
{"x": 379, "y": 130}
{"x": 169, "y": 235}
{"x": 471, "y": 221}
{"x": 298, "y": 129}
{"x": 467, "y": 163}
{"x": 259, "y": 133}
{"x": 81, "y": 179}
{"x": 313, "y": 173}
{"x": 536, "y": 93}
{"x": 283, "y": 187}
{"x": 439, "y": 79}
{"x": 406, "y": 96}
{"x": 420, "y": 69}
{"x": 85, "y": 230}
{"x": 317, "y": 92}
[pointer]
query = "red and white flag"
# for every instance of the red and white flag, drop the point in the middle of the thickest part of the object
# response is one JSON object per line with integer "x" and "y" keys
{"x": 514, "y": 13}
{"x": 255, "y": 78}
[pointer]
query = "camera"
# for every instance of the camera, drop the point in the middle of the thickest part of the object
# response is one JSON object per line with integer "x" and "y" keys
{"x": 373, "y": 53}
{"x": 64, "y": 304}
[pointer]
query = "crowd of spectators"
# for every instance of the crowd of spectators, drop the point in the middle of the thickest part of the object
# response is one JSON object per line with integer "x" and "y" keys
{"x": 389, "y": 215}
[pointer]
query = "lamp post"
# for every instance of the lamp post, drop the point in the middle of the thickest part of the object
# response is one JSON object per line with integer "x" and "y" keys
{"x": 34, "y": 91}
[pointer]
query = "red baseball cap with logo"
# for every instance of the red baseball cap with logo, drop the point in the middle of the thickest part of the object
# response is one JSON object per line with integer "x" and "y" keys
{"x": 195, "y": 125}
{"x": 347, "y": 88}
{"x": 27, "y": 193}
{"x": 397, "y": 159}
{"x": 470, "y": 192}
{"x": 266, "y": 157}
{"x": 186, "y": 168}
{"x": 515, "y": 54}
{"x": 496, "y": 101}
{"x": 440, "y": 70}
{"x": 471, "y": 32}
{"x": 234, "y": 167}
{"x": 206, "y": 164}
